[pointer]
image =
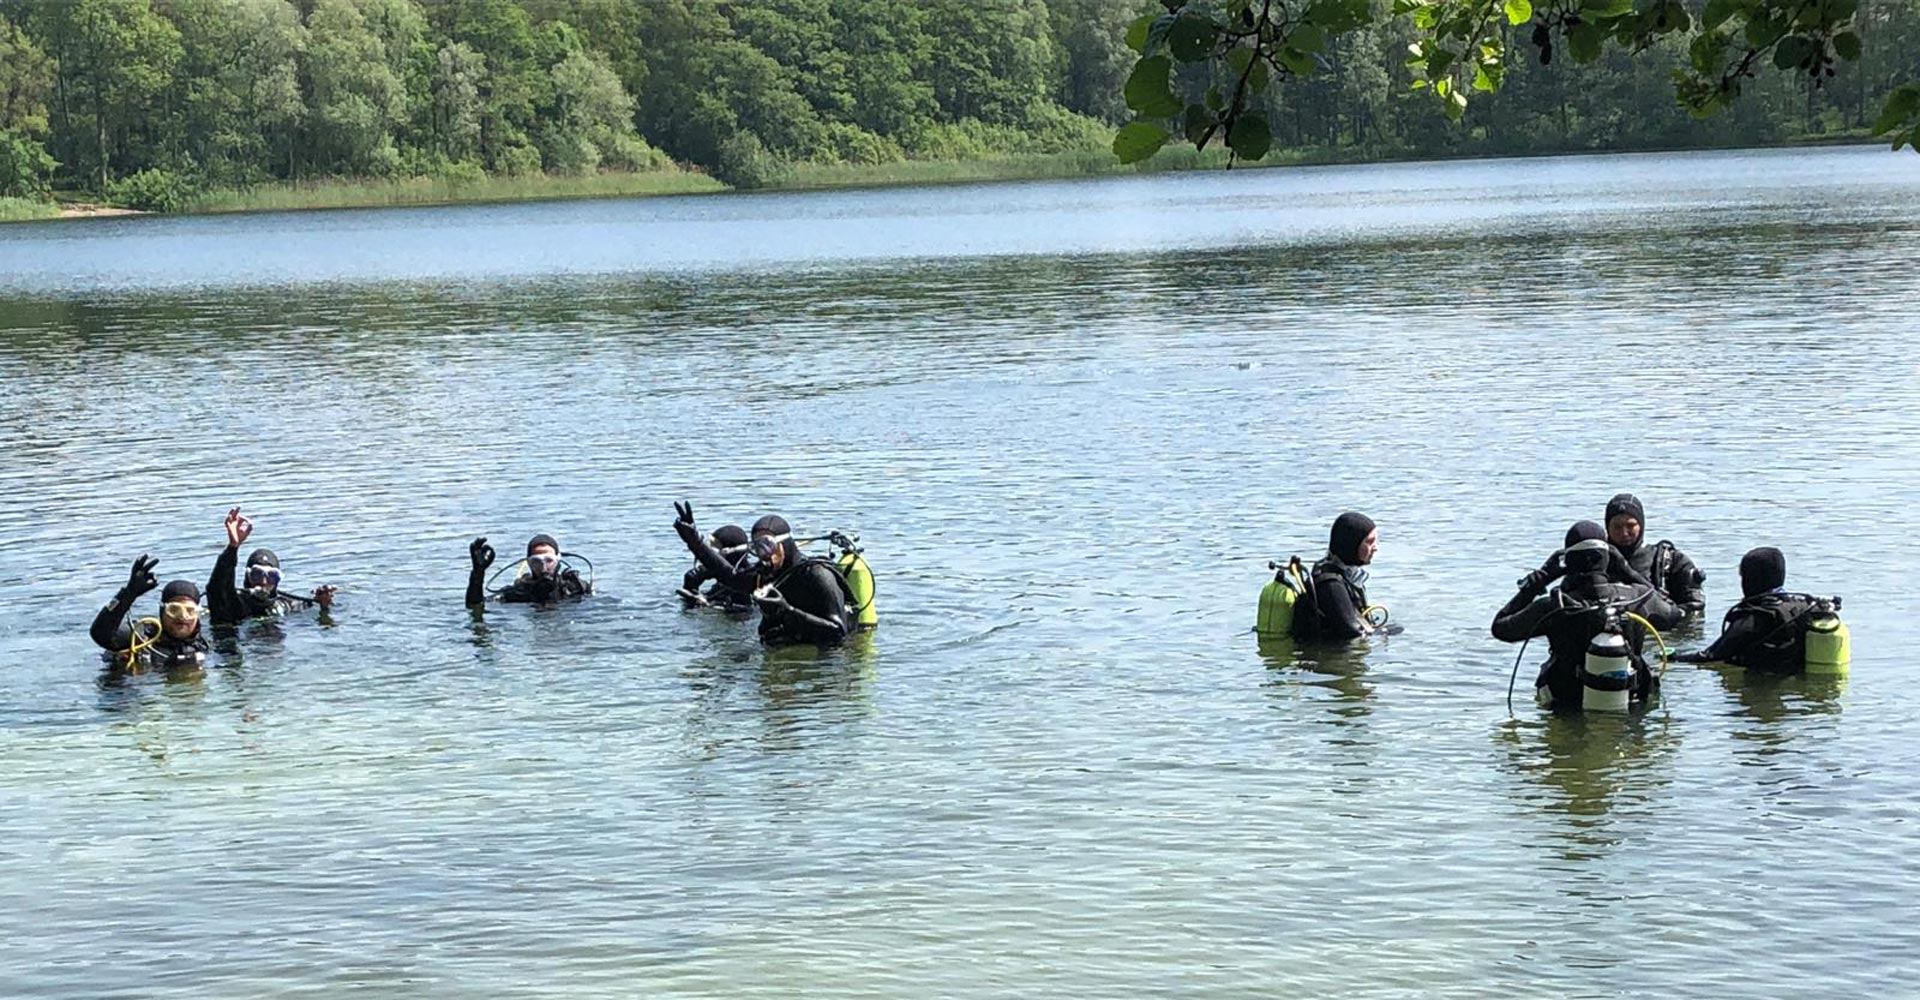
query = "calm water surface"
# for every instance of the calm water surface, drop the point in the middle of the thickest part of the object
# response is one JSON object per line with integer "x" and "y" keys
{"x": 1071, "y": 421}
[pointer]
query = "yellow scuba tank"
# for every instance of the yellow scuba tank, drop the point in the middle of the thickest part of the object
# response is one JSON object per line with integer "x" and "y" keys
{"x": 1829, "y": 646}
{"x": 1278, "y": 597}
{"x": 859, "y": 576}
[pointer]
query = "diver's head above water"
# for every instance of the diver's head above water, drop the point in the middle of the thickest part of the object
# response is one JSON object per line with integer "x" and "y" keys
{"x": 543, "y": 557}
{"x": 180, "y": 610}
{"x": 1762, "y": 570}
{"x": 773, "y": 543}
{"x": 1586, "y": 555}
{"x": 730, "y": 541}
{"x": 1626, "y": 520}
{"x": 1583, "y": 531}
{"x": 263, "y": 573}
{"x": 1354, "y": 539}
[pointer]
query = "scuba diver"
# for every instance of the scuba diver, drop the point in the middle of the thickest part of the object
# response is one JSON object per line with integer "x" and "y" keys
{"x": 1338, "y": 595}
{"x": 1665, "y": 567}
{"x": 173, "y": 641}
{"x": 732, "y": 545}
{"x": 1584, "y": 605}
{"x": 1759, "y": 632}
{"x": 544, "y": 575}
{"x": 801, "y": 599}
{"x": 261, "y": 596}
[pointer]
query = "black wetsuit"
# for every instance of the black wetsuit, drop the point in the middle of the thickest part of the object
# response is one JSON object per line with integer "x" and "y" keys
{"x": 1669, "y": 571}
{"x": 228, "y": 605}
{"x": 819, "y": 606}
{"x": 719, "y": 595}
{"x": 1337, "y": 604}
{"x": 112, "y": 632}
{"x": 1570, "y": 616}
{"x": 1754, "y": 634}
{"x": 529, "y": 589}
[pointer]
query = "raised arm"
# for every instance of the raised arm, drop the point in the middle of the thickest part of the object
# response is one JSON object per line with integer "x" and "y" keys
{"x": 105, "y": 631}
{"x": 716, "y": 565}
{"x": 482, "y": 556}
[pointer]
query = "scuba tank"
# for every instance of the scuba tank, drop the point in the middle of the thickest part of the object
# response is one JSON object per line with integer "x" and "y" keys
{"x": 1278, "y": 597}
{"x": 1606, "y": 676}
{"x": 1829, "y": 646}
{"x": 859, "y": 576}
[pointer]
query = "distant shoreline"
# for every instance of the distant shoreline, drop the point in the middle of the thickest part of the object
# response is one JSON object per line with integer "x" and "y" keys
{"x": 430, "y": 191}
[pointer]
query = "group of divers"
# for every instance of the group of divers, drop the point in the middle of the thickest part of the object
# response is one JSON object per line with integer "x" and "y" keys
{"x": 1596, "y": 601}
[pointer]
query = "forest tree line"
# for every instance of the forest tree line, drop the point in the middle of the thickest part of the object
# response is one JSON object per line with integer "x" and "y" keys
{"x": 146, "y": 101}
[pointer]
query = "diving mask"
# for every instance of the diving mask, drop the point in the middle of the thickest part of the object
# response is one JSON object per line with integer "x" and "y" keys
{"x": 764, "y": 546}
{"x": 180, "y": 611}
{"x": 543, "y": 564}
{"x": 261, "y": 576}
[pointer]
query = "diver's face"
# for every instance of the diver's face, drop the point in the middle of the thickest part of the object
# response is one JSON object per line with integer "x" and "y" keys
{"x": 180, "y": 619}
{"x": 770, "y": 552}
{"x": 1623, "y": 530}
{"x": 543, "y": 561}
{"x": 1368, "y": 546}
{"x": 263, "y": 579}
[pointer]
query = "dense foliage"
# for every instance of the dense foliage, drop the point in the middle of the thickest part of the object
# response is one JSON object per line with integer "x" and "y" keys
{"x": 146, "y": 102}
{"x": 1255, "y": 75}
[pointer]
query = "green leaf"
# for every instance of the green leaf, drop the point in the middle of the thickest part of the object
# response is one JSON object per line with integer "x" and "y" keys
{"x": 1456, "y": 106}
{"x": 1482, "y": 81}
{"x": 1762, "y": 32}
{"x": 1584, "y": 41}
{"x": 1191, "y": 38}
{"x": 1308, "y": 38}
{"x": 1258, "y": 77}
{"x": 1199, "y": 122}
{"x": 1148, "y": 90}
{"x": 1793, "y": 51}
{"x": 1137, "y": 33}
{"x": 1238, "y": 59}
{"x": 1846, "y": 45}
{"x": 1900, "y": 107}
{"x": 1717, "y": 13}
{"x": 1297, "y": 62}
{"x": 1250, "y": 137}
{"x": 1138, "y": 140}
{"x": 1519, "y": 11}
{"x": 1439, "y": 63}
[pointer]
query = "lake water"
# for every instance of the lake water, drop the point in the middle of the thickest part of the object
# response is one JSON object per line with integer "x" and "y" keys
{"x": 1071, "y": 422}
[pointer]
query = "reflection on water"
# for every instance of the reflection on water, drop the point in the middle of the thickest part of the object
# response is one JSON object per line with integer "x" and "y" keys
{"x": 1069, "y": 429}
{"x": 1340, "y": 668}
{"x": 1584, "y": 766}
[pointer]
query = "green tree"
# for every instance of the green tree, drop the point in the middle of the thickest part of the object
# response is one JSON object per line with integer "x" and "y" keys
{"x": 1093, "y": 54}
{"x": 236, "y": 95}
{"x": 516, "y": 81}
{"x": 356, "y": 97}
{"x": 993, "y": 58}
{"x": 887, "y": 46}
{"x": 590, "y": 118}
{"x": 115, "y": 61}
{"x": 454, "y": 108}
{"x": 26, "y": 81}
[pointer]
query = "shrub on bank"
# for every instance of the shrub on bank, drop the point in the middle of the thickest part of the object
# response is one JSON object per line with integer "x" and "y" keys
{"x": 152, "y": 190}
